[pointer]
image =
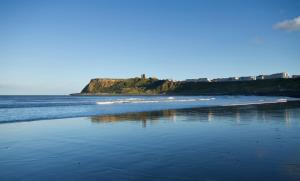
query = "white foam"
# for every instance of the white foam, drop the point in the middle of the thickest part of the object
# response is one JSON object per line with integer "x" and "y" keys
{"x": 257, "y": 103}
{"x": 178, "y": 100}
{"x": 146, "y": 101}
{"x": 131, "y": 99}
{"x": 107, "y": 102}
{"x": 205, "y": 99}
{"x": 281, "y": 100}
{"x": 138, "y": 100}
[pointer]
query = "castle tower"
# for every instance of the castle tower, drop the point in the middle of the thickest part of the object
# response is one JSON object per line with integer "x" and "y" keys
{"x": 143, "y": 76}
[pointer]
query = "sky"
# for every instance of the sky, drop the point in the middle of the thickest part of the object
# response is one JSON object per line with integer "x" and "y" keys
{"x": 56, "y": 46}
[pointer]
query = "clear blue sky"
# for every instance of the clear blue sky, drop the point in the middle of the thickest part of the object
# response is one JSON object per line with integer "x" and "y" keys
{"x": 56, "y": 47}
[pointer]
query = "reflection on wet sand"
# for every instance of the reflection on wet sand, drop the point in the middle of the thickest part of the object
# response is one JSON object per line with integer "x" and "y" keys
{"x": 268, "y": 112}
{"x": 292, "y": 170}
{"x": 144, "y": 117}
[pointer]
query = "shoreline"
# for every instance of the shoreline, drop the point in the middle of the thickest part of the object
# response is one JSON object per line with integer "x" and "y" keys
{"x": 179, "y": 94}
{"x": 289, "y": 104}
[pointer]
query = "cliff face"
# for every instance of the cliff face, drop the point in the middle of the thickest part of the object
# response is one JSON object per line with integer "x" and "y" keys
{"x": 98, "y": 85}
{"x": 128, "y": 86}
{"x": 153, "y": 86}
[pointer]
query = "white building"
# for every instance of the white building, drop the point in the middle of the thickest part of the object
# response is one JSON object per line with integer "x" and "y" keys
{"x": 247, "y": 78}
{"x": 260, "y": 77}
{"x": 283, "y": 75}
{"x": 233, "y": 78}
{"x": 229, "y": 79}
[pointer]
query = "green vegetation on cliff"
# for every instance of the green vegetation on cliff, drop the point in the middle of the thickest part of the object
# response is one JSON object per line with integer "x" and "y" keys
{"x": 153, "y": 86}
{"x": 269, "y": 87}
{"x": 128, "y": 86}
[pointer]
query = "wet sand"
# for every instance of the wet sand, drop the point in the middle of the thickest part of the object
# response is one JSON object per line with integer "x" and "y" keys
{"x": 254, "y": 142}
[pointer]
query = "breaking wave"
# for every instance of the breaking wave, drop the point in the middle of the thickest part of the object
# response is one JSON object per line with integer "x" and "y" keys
{"x": 156, "y": 100}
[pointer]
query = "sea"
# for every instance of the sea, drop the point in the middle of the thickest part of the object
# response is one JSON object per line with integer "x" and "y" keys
{"x": 29, "y": 108}
{"x": 149, "y": 138}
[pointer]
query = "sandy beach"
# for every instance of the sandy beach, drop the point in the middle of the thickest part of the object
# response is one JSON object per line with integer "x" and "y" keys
{"x": 260, "y": 141}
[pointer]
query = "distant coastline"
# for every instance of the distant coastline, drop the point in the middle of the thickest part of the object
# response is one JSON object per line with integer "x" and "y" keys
{"x": 275, "y": 85}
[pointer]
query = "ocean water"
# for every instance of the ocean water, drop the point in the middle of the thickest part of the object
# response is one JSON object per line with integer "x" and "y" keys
{"x": 249, "y": 142}
{"x": 27, "y": 108}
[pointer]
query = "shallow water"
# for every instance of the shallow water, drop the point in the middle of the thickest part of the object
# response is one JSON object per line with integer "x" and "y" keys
{"x": 27, "y": 108}
{"x": 254, "y": 142}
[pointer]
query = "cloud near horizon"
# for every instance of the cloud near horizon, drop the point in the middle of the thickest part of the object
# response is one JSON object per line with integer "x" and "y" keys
{"x": 289, "y": 25}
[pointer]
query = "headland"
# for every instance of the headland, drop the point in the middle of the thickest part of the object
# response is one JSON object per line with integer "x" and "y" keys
{"x": 280, "y": 84}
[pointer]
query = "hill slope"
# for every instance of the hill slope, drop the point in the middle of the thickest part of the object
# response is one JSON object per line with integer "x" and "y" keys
{"x": 129, "y": 86}
{"x": 153, "y": 86}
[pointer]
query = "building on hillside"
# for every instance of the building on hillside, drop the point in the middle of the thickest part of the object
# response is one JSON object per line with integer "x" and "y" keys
{"x": 283, "y": 75}
{"x": 219, "y": 80}
{"x": 247, "y": 78}
{"x": 204, "y": 80}
{"x": 296, "y": 76}
{"x": 143, "y": 76}
{"x": 260, "y": 77}
{"x": 233, "y": 78}
{"x": 229, "y": 79}
{"x": 198, "y": 80}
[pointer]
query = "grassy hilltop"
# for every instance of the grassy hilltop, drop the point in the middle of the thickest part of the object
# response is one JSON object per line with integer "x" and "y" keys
{"x": 129, "y": 86}
{"x": 153, "y": 86}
